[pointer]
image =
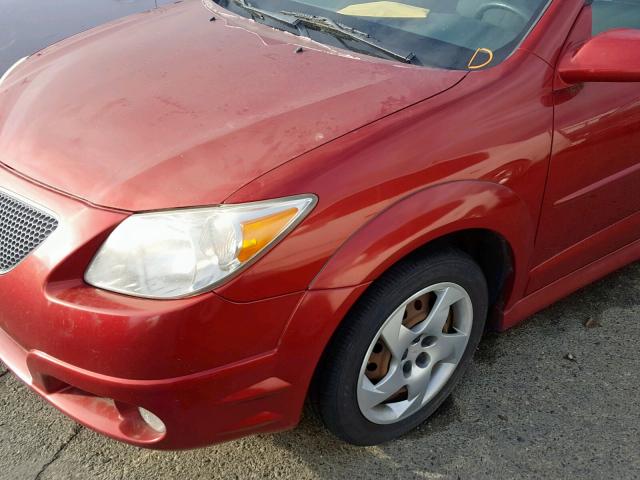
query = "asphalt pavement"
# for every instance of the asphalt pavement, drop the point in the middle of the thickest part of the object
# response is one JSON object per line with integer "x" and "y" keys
{"x": 552, "y": 398}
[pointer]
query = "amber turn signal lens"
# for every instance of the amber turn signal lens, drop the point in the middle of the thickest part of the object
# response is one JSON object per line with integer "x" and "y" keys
{"x": 257, "y": 234}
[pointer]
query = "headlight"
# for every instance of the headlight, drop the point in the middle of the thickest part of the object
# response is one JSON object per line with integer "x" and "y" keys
{"x": 11, "y": 69}
{"x": 178, "y": 253}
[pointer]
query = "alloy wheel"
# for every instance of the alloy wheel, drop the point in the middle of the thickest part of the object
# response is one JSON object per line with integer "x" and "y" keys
{"x": 414, "y": 353}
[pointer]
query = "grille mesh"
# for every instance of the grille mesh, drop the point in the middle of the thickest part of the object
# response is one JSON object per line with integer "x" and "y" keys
{"x": 22, "y": 228}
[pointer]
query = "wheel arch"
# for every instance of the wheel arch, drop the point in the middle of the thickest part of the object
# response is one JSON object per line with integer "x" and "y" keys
{"x": 486, "y": 220}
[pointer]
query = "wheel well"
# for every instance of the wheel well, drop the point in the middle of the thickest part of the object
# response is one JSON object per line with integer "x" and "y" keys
{"x": 490, "y": 250}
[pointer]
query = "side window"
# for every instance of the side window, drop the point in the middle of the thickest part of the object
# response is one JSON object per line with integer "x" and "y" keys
{"x": 609, "y": 14}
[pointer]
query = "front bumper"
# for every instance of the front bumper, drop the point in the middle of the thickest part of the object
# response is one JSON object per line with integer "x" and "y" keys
{"x": 210, "y": 369}
{"x": 197, "y": 410}
{"x": 260, "y": 394}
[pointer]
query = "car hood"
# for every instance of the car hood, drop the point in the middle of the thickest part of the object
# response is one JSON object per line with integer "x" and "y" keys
{"x": 169, "y": 109}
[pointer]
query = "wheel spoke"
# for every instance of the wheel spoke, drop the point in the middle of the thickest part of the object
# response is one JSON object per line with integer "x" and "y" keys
{"x": 396, "y": 336}
{"x": 457, "y": 343}
{"x": 449, "y": 347}
{"x": 418, "y": 386}
{"x": 371, "y": 395}
{"x": 400, "y": 409}
{"x": 439, "y": 314}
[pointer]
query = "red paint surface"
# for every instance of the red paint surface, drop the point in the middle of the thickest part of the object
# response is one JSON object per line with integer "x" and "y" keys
{"x": 157, "y": 111}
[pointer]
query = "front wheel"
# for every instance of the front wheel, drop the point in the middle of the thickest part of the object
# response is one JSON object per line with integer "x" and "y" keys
{"x": 401, "y": 350}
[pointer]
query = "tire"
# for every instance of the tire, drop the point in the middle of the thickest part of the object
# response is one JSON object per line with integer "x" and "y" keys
{"x": 339, "y": 395}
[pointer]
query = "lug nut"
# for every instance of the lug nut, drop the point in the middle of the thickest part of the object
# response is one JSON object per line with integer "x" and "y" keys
{"x": 428, "y": 341}
{"x": 422, "y": 360}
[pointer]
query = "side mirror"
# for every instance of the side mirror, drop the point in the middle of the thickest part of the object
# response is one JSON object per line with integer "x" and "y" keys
{"x": 612, "y": 56}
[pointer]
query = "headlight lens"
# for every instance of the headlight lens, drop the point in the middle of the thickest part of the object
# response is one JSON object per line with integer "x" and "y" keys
{"x": 178, "y": 253}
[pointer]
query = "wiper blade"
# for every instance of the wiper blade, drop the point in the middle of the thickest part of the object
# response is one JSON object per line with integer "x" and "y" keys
{"x": 255, "y": 11}
{"x": 332, "y": 27}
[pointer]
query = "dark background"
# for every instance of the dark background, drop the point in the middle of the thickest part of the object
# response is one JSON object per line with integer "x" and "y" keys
{"x": 27, "y": 26}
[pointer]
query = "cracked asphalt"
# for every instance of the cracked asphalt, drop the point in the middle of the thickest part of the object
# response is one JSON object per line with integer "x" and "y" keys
{"x": 549, "y": 399}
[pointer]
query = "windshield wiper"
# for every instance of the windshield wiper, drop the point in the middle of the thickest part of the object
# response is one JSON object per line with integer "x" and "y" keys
{"x": 300, "y": 21}
{"x": 332, "y": 27}
{"x": 255, "y": 11}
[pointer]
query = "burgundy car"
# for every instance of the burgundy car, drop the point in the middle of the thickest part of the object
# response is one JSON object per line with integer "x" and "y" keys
{"x": 213, "y": 213}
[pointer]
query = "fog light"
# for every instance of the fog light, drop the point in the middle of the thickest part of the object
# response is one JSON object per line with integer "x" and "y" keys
{"x": 152, "y": 420}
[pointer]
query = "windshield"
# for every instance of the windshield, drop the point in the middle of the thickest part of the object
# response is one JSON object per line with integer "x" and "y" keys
{"x": 451, "y": 34}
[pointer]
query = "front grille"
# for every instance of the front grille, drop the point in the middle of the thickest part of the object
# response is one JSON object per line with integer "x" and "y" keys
{"x": 22, "y": 228}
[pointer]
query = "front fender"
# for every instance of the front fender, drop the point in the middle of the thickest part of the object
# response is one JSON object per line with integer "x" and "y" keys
{"x": 428, "y": 215}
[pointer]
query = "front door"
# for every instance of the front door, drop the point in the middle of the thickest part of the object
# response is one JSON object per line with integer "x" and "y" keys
{"x": 592, "y": 200}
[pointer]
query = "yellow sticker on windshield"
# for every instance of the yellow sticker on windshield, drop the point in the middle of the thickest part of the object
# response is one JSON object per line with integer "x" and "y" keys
{"x": 385, "y": 10}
